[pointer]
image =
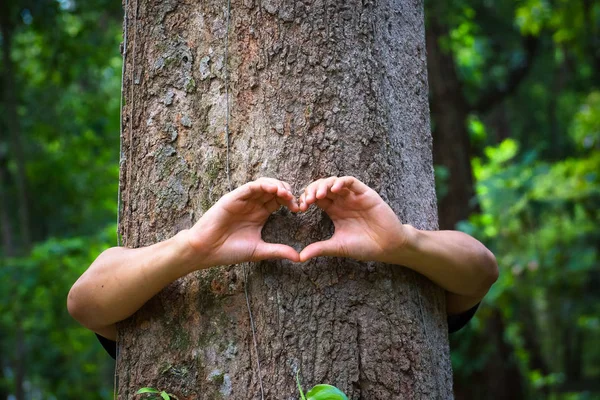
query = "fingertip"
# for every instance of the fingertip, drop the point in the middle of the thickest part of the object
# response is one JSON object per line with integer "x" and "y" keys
{"x": 289, "y": 253}
{"x": 303, "y": 257}
{"x": 295, "y": 257}
{"x": 309, "y": 252}
{"x": 337, "y": 186}
{"x": 294, "y": 207}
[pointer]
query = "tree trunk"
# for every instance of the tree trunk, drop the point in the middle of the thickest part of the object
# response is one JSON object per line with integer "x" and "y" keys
{"x": 452, "y": 147}
{"x": 316, "y": 89}
{"x": 14, "y": 129}
{"x": 6, "y": 231}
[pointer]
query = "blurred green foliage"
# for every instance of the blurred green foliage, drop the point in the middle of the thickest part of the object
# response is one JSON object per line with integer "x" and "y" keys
{"x": 62, "y": 359}
{"x": 536, "y": 164}
{"x": 536, "y": 160}
{"x": 66, "y": 83}
{"x": 541, "y": 220}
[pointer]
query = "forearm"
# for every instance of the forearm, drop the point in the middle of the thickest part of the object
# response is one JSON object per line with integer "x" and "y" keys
{"x": 453, "y": 260}
{"x": 121, "y": 280}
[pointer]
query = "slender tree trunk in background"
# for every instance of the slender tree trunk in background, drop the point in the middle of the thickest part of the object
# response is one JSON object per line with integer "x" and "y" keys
{"x": 558, "y": 145}
{"x": 500, "y": 378}
{"x": 6, "y": 227}
{"x": 451, "y": 146}
{"x": 6, "y": 231}
{"x": 316, "y": 89}
{"x": 14, "y": 131}
{"x": 452, "y": 149}
{"x": 498, "y": 123}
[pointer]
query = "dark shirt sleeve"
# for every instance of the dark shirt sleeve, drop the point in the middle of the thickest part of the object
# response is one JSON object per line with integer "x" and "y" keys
{"x": 458, "y": 321}
{"x": 109, "y": 345}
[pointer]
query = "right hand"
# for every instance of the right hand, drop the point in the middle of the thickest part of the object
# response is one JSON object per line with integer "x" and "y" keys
{"x": 366, "y": 228}
{"x": 230, "y": 231}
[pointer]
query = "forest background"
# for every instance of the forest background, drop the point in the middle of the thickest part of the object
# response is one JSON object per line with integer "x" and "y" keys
{"x": 515, "y": 100}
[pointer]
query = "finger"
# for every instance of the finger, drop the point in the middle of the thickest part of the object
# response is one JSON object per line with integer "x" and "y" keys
{"x": 311, "y": 192}
{"x": 324, "y": 187}
{"x": 265, "y": 192}
{"x": 281, "y": 184}
{"x": 291, "y": 204}
{"x": 284, "y": 192}
{"x": 255, "y": 190}
{"x": 269, "y": 187}
{"x": 302, "y": 201}
{"x": 351, "y": 183}
{"x": 318, "y": 249}
{"x": 246, "y": 191}
{"x": 283, "y": 195}
{"x": 268, "y": 251}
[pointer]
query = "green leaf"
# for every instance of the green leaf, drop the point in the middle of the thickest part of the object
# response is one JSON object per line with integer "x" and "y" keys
{"x": 164, "y": 395}
{"x": 325, "y": 392}
{"x": 147, "y": 390}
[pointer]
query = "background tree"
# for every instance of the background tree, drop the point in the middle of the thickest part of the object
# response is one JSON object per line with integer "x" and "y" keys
{"x": 315, "y": 89}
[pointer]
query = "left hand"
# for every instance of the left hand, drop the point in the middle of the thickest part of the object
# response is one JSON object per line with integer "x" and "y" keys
{"x": 366, "y": 228}
{"x": 230, "y": 231}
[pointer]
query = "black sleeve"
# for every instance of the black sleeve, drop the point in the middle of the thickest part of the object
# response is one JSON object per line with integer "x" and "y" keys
{"x": 109, "y": 345}
{"x": 458, "y": 321}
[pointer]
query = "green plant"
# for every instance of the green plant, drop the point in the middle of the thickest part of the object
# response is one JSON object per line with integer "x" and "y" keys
{"x": 320, "y": 392}
{"x": 163, "y": 395}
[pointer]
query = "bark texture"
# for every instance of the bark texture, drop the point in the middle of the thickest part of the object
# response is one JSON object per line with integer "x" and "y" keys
{"x": 317, "y": 88}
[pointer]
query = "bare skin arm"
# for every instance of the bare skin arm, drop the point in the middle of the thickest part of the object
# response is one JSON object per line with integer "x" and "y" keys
{"x": 121, "y": 280}
{"x": 367, "y": 229}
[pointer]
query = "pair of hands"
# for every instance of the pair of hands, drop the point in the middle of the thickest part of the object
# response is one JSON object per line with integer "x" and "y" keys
{"x": 366, "y": 228}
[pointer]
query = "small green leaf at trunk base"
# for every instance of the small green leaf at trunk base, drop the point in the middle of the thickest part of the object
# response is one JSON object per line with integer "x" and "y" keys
{"x": 147, "y": 390}
{"x": 325, "y": 392}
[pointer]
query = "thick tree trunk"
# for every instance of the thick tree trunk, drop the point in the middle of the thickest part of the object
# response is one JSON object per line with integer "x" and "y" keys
{"x": 316, "y": 88}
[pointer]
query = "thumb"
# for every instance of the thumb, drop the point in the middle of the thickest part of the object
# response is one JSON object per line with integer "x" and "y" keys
{"x": 266, "y": 251}
{"x": 323, "y": 248}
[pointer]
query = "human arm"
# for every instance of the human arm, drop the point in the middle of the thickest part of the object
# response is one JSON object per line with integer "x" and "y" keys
{"x": 121, "y": 280}
{"x": 366, "y": 228}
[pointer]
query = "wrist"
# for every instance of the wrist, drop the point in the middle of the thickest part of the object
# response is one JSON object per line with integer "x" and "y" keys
{"x": 190, "y": 253}
{"x": 406, "y": 246}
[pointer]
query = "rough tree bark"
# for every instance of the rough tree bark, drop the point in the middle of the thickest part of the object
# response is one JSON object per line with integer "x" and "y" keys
{"x": 317, "y": 88}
